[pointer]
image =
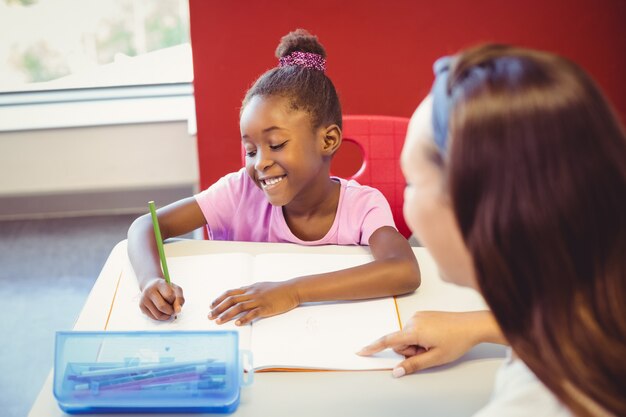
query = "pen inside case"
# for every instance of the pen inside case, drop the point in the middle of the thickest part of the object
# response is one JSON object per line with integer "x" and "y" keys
{"x": 199, "y": 376}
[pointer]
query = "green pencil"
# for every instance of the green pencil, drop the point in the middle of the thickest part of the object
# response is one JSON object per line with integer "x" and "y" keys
{"x": 159, "y": 241}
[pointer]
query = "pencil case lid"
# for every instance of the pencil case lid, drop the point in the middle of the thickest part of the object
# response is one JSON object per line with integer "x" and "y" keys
{"x": 148, "y": 372}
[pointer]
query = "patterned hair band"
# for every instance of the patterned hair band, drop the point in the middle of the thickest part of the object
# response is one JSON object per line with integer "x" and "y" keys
{"x": 303, "y": 59}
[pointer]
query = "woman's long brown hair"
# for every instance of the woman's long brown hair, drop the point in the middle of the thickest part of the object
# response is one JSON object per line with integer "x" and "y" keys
{"x": 537, "y": 177}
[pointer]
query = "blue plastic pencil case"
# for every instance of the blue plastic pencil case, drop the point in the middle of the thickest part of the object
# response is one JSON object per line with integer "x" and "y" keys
{"x": 149, "y": 372}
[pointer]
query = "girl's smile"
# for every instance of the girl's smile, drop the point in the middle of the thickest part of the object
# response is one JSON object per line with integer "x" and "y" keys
{"x": 269, "y": 183}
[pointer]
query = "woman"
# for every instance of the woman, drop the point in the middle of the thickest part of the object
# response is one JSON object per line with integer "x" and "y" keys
{"x": 516, "y": 173}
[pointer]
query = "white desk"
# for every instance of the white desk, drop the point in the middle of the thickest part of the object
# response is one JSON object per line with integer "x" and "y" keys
{"x": 458, "y": 389}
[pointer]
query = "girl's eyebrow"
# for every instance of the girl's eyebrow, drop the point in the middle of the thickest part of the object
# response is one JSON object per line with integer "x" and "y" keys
{"x": 272, "y": 128}
{"x": 266, "y": 130}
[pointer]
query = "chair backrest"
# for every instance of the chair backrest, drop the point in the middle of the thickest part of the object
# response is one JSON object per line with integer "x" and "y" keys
{"x": 380, "y": 139}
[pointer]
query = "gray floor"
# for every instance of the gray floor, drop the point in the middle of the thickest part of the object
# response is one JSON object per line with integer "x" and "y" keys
{"x": 47, "y": 268}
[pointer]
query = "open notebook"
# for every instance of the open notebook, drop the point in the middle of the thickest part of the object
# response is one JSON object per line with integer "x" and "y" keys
{"x": 317, "y": 336}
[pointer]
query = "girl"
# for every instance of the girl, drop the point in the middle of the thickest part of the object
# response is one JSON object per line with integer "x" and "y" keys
{"x": 290, "y": 125}
{"x": 516, "y": 168}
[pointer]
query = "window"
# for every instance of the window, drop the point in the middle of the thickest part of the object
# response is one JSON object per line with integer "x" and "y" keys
{"x": 72, "y": 63}
{"x": 68, "y": 44}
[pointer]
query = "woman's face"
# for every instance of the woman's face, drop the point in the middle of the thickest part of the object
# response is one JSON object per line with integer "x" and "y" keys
{"x": 427, "y": 207}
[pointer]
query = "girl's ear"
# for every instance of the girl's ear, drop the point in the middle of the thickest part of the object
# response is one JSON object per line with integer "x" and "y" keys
{"x": 331, "y": 140}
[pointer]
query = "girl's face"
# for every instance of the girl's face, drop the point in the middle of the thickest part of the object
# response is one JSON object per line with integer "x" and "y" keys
{"x": 427, "y": 208}
{"x": 284, "y": 155}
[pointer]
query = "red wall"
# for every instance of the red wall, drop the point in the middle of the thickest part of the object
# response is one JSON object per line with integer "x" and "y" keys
{"x": 380, "y": 52}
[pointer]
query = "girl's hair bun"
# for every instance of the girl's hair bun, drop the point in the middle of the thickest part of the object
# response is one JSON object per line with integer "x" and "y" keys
{"x": 300, "y": 77}
{"x": 299, "y": 40}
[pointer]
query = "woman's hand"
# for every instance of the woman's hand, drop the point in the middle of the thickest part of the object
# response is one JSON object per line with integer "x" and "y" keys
{"x": 262, "y": 299}
{"x": 160, "y": 300}
{"x": 432, "y": 338}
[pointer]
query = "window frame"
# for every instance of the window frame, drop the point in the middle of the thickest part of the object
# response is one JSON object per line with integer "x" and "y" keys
{"x": 97, "y": 106}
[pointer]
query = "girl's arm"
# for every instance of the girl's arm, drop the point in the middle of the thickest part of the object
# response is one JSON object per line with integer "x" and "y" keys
{"x": 433, "y": 338}
{"x": 158, "y": 299}
{"x": 394, "y": 271}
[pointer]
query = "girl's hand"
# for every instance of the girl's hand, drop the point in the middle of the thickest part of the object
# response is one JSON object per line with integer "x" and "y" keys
{"x": 432, "y": 338}
{"x": 262, "y": 299}
{"x": 160, "y": 300}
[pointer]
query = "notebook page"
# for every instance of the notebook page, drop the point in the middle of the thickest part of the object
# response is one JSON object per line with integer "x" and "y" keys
{"x": 202, "y": 278}
{"x": 321, "y": 335}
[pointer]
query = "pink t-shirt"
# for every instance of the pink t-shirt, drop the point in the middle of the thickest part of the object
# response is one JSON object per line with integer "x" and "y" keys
{"x": 236, "y": 209}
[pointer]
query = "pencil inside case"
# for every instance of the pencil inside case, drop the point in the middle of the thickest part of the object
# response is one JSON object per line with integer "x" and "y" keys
{"x": 174, "y": 371}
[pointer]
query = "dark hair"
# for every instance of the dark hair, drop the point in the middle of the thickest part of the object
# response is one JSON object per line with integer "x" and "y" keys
{"x": 537, "y": 178}
{"x": 306, "y": 88}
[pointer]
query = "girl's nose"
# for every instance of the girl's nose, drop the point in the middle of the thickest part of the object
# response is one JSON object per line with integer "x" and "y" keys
{"x": 262, "y": 162}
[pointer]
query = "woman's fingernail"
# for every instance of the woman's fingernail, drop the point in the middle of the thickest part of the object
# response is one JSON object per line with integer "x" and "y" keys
{"x": 398, "y": 372}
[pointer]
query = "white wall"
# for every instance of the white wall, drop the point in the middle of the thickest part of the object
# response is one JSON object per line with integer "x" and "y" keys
{"x": 115, "y": 157}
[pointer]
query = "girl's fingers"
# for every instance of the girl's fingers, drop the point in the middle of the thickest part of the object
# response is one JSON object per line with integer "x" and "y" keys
{"x": 235, "y": 310}
{"x": 177, "y": 305}
{"x": 248, "y": 317}
{"x": 160, "y": 300}
{"x": 154, "y": 312}
{"x": 167, "y": 292}
{"x": 162, "y": 305}
{"x": 179, "y": 295}
{"x": 145, "y": 311}
{"x": 228, "y": 303}
{"x": 225, "y": 295}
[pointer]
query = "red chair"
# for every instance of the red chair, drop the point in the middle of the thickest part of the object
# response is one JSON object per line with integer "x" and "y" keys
{"x": 380, "y": 140}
